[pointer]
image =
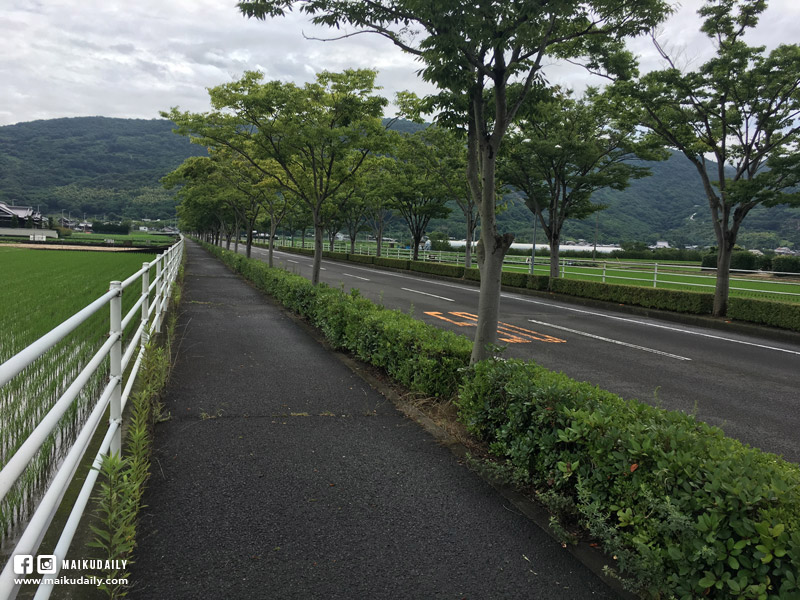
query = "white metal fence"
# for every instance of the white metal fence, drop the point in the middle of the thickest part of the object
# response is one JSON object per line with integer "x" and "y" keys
{"x": 765, "y": 284}
{"x": 120, "y": 352}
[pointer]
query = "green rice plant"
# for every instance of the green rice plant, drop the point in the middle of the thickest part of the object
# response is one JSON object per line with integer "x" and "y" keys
{"x": 42, "y": 289}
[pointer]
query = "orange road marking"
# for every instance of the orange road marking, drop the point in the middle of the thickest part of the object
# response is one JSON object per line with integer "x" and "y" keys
{"x": 506, "y": 332}
{"x": 439, "y": 315}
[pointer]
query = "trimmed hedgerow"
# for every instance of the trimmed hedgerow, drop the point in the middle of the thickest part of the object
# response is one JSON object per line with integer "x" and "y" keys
{"x": 437, "y": 269}
{"x": 472, "y": 274}
{"x": 786, "y": 264}
{"x": 686, "y": 511}
{"x": 514, "y": 279}
{"x": 393, "y": 263}
{"x": 674, "y": 300}
{"x": 360, "y": 258}
{"x": 765, "y": 312}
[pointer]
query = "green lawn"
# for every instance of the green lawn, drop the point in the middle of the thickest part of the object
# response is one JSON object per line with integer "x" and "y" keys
{"x": 675, "y": 276}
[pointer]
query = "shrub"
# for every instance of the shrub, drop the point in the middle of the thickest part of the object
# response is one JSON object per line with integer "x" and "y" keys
{"x": 744, "y": 261}
{"x": 786, "y": 264}
{"x": 686, "y": 511}
{"x": 675, "y": 300}
{"x": 393, "y": 263}
{"x": 472, "y": 274}
{"x": 765, "y": 312}
{"x": 360, "y": 258}
{"x": 437, "y": 269}
{"x": 514, "y": 279}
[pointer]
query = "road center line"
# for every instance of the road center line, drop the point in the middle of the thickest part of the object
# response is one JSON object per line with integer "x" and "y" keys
{"x": 605, "y": 339}
{"x": 292, "y": 261}
{"x": 427, "y": 294}
{"x": 356, "y": 276}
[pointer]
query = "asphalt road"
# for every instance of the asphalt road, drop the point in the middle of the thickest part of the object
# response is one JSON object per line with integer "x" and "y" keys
{"x": 746, "y": 384}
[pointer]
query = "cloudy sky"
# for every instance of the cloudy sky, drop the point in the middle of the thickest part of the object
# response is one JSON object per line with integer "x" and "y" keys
{"x": 117, "y": 58}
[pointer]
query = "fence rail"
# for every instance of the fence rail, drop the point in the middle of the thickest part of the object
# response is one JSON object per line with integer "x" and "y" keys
{"x": 120, "y": 352}
{"x": 664, "y": 275}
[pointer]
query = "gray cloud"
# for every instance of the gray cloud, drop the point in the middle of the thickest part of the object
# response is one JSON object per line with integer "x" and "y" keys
{"x": 94, "y": 57}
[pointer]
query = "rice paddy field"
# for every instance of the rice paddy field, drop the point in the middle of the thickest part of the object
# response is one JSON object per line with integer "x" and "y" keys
{"x": 40, "y": 289}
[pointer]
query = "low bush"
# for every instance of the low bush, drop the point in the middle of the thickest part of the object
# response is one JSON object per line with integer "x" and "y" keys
{"x": 786, "y": 264}
{"x": 679, "y": 301}
{"x": 472, "y": 274}
{"x": 437, "y": 269}
{"x": 393, "y": 263}
{"x": 514, "y": 279}
{"x": 360, "y": 258}
{"x": 741, "y": 261}
{"x": 686, "y": 511}
{"x": 765, "y": 312}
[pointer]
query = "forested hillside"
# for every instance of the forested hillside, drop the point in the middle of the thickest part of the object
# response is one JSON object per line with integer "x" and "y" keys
{"x": 668, "y": 205}
{"x": 93, "y": 165}
{"x": 102, "y": 166}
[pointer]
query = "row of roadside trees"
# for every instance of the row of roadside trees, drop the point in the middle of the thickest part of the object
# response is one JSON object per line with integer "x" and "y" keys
{"x": 324, "y": 147}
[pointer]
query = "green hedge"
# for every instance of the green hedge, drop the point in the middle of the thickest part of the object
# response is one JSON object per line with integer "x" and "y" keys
{"x": 745, "y": 261}
{"x": 437, "y": 269}
{"x": 687, "y": 302}
{"x": 687, "y": 512}
{"x": 765, "y": 312}
{"x": 786, "y": 264}
{"x": 472, "y": 274}
{"x": 394, "y": 263}
{"x": 423, "y": 358}
{"x": 360, "y": 258}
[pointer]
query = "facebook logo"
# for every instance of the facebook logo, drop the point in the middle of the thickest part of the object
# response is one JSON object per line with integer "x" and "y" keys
{"x": 23, "y": 564}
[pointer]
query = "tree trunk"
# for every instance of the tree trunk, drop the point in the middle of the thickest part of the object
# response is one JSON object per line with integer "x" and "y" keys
{"x": 722, "y": 288}
{"x": 272, "y": 229}
{"x": 468, "y": 251}
{"x": 380, "y": 239}
{"x": 555, "y": 243}
{"x": 319, "y": 233}
{"x": 415, "y": 252}
{"x": 352, "y": 245}
{"x": 491, "y": 252}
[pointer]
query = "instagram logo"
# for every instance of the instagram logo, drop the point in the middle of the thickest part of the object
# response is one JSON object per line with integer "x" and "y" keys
{"x": 46, "y": 564}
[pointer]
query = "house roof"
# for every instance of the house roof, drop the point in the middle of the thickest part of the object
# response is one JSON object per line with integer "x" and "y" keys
{"x": 22, "y": 212}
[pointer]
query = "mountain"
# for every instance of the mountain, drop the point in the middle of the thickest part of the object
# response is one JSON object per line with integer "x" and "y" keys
{"x": 669, "y": 205}
{"x": 92, "y": 165}
{"x": 103, "y": 166}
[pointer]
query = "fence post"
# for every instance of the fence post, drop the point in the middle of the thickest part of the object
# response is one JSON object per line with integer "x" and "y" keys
{"x": 655, "y": 275}
{"x": 159, "y": 292}
{"x": 115, "y": 367}
{"x": 145, "y": 303}
{"x": 604, "y": 271}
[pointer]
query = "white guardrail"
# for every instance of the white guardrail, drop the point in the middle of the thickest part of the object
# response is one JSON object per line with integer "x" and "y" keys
{"x": 114, "y": 395}
{"x": 650, "y": 274}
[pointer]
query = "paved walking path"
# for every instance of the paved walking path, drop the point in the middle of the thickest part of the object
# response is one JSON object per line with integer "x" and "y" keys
{"x": 281, "y": 474}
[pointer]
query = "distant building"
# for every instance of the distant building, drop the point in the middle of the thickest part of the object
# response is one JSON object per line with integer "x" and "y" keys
{"x": 67, "y": 223}
{"x": 23, "y": 215}
{"x": 658, "y": 245}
